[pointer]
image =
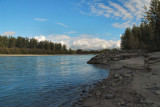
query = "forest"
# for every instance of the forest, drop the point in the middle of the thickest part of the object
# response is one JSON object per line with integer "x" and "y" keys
{"x": 21, "y": 45}
{"x": 146, "y": 36}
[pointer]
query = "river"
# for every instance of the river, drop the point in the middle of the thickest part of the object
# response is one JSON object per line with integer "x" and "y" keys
{"x": 46, "y": 81}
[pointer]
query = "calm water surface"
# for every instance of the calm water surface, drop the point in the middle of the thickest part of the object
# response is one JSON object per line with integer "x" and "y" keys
{"x": 45, "y": 81}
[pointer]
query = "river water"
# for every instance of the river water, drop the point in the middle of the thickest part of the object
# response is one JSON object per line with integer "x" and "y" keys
{"x": 46, "y": 81}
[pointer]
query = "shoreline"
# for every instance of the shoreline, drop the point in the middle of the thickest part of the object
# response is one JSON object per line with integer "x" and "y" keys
{"x": 131, "y": 82}
{"x": 16, "y": 55}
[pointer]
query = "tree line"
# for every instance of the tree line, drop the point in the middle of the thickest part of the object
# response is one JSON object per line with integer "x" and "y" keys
{"x": 21, "y": 45}
{"x": 146, "y": 36}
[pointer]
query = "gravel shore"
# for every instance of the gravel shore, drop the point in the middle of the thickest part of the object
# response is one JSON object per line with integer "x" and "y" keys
{"x": 132, "y": 82}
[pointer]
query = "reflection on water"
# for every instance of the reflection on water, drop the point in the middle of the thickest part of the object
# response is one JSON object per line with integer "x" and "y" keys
{"x": 45, "y": 80}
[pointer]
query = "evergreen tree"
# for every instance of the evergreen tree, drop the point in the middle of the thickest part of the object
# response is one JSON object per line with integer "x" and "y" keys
{"x": 33, "y": 43}
{"x": 12, "y": 42}
{"x": 153, "y": 18}
{"x": 125, "y": 39}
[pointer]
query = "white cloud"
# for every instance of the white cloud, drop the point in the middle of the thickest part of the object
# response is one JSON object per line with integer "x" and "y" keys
{"x": 63, "y": 39}
{"x": 11, "y": 33}
{"x": 82, "y": 41}
{"x": 40, "y": 19}
{"x": 62, "y": 24}
{"x": 122, "y": 12}
{"x": 40, "y": 38}
{"x": 70, "y": 32}
{"x": 127, "y": 10}
{"x": 57, "y": 38}
{"x": 94, "y": 43}
{"x": 123, "y": 25}
{"x": 85, "y": 36}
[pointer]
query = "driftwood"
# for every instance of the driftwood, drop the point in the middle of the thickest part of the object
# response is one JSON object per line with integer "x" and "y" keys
{"x": 149, "y": 61}
{"x": 154, "y": 61}
{"x": 144, "y": 54}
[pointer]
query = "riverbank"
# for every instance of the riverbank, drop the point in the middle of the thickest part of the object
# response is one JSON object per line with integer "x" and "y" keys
{"x": 132, "y": 82}
{"x": 23, "y": 55}
{"x": 10, "y": 55}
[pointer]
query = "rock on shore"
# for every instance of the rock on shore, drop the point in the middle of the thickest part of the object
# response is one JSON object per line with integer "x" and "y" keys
{"x": 107, "y": 57}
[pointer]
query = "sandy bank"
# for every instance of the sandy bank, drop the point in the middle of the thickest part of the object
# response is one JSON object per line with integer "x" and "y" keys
{"x": 133, "y": 82}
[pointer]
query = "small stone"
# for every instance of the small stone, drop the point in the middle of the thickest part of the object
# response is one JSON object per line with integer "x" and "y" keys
{"x": 122, "y": 103}
{"x": 156, "y": 88}
{"x": 109, "y": 96}
{"x": 81, "y": 94}
{"x": 154, "y": 84}
{"x": 116, "y": 75}
{"x": 157, "y": 92}
{"x": 98, "y": 94}
{"x": 90, "y": 95}
{"x": 127, "y": 75}
{"x": 94, "y": 84}
{"x": 103, "y": 87}
{"x": 118, "y": 104}
{"x": 116, "y": 59}
{"x": 149, "y": 103}
{"x": 120, "y": 77}
{"x": 142, "y": 101}
{"x": 101, "y": 103}
{"x": 83, "y": 91}
{"x": 113, "y": 84}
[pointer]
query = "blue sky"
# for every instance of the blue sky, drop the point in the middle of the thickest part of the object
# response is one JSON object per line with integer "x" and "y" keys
{"x": 76, "y": 23}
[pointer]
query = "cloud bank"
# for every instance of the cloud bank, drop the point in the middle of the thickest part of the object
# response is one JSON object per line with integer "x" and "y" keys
{"x": 81, "y": 41}
{"x": 11, "y": 33}
{"x": 40, "y": 38}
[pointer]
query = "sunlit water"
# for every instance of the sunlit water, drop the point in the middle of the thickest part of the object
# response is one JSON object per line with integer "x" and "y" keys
{"x": 45, "y": 81}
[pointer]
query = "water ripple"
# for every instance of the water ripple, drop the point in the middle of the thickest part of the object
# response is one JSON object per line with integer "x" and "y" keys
{"x": 48, "y": 81}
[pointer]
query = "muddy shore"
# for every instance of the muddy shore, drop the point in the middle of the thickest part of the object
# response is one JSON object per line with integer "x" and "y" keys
{"x": 132, "y": 82}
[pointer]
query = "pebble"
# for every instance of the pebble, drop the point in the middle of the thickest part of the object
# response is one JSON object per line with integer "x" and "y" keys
{"x": 103, "y": 87}
{"x": 90, "y": 95}
{"x": 154, "y": 84}
{"x": 113, "y": 84}
{"x": 127, "y": 75}
{"x": 120, "y": 77}
{"x": 155, "y": 88}
{"x": 157, "y": 92}
{"x": 109, "y": 96}
{"x": 83, "y": 91}
{"x": 122, "y": 103}
{"x": 116, "y": 59}
{"x": 98, "y": 94}
{"x": 142, "y": 101}
{"x": 149, "y": 103}
{"x": 116, "y": 75}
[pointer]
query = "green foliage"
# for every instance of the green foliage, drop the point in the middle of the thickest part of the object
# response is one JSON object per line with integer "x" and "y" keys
{"x": 20, "y": 45}
{"x": 146, "y": 36}
{"x": 12, "y": 42}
